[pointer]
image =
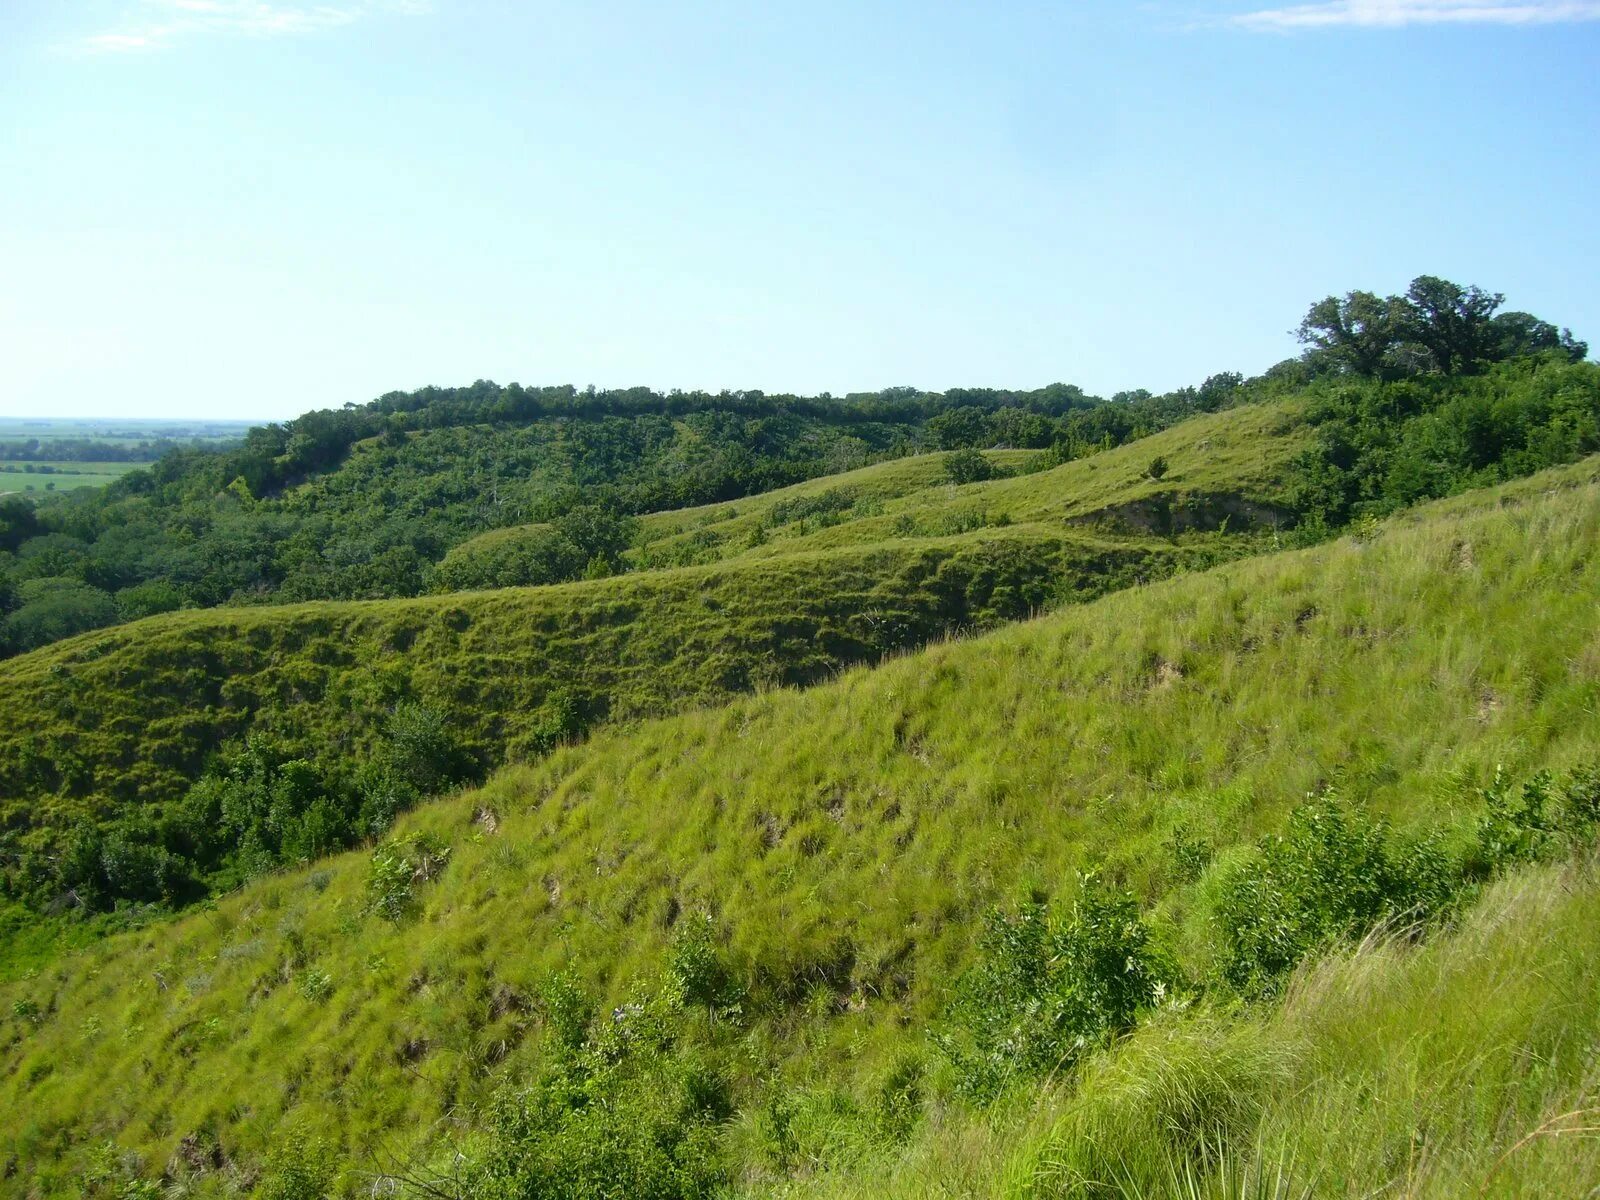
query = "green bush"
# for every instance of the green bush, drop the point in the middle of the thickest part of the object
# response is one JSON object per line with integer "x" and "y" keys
{"x": 397, "y": 867}
{"x": 967, "y": 466}
{"x": 54, "y": 608}
{"x": 148, "y": 599}
{"x": 300, "y": 1168}
{"x": 1334, "y": 874}
{"x": 1516, "y": 826}
{"x": 698, "y": 967}
{"x": 620, "y": 1111}
{"x": 1049, "y": 986}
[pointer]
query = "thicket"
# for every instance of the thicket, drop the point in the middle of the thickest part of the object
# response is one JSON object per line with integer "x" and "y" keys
{"x": 585, "y": 542}
{"x": 255, "y": 809}
{"x": 1049, "y": 986}
{"x": 1383, "y": 445}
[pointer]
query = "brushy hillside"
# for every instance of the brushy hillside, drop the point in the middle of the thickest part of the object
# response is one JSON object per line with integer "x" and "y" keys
{"x": 101, "y": 734}
{"x": 1460, "y": 1068}
{"x": 323, "y": 674}
{"x": 361, "y": 502}
{"x": 808, "y": 870}
{"x": 1220, "y": 468}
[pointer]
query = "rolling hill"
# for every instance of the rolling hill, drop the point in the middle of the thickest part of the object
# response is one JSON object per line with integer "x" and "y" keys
{"x": 1128, "y": 799}
{"x": 109, "y": 729}
{"x": 767, "y": 907}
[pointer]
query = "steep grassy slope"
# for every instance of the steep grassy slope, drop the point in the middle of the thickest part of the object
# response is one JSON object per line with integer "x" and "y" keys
{"x": 129, "y": 714}
{"x": 845, "y": 837}
{"x": 890, "y": 557}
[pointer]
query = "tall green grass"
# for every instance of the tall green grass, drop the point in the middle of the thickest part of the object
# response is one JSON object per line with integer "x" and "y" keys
{"x": 844, "y": 840}
{"x": 1461, "y": 1067}
{"x": 129, "y": 715}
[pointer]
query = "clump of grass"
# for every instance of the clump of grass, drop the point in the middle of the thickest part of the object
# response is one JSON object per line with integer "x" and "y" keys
{"x": 1163, "y": 1103}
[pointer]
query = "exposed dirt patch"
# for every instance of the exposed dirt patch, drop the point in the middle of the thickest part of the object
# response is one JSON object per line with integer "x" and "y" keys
{"x": 1181, "y": 512}
{"x": 1489, "y": 706}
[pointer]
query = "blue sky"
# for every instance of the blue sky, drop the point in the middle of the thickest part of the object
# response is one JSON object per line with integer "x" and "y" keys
{"x": 247, "y": 209}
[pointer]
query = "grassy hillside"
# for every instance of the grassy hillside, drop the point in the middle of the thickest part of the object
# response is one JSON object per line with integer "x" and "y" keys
{"x": 1460, "y": 1068}
{"x": 103, "y": 732}
{"x": 127, "y": 716}
{"x": 844, "y": 841}
{"x": 361, "y": 502}
{"x": 1218, "y": 465}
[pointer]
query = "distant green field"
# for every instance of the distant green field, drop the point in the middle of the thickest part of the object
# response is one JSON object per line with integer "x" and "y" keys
{"x": 60, "y": 476}
{"x": 125, "y": 430}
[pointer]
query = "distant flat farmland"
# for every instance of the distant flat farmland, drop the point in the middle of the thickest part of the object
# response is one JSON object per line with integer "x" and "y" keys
{"x": 16, "y": 476}
{"x": 124, "y": 430}
{"x": 43, "y": 455}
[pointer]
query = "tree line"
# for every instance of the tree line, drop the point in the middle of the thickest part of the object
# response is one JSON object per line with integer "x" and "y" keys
{"x": 1412, "y": 396}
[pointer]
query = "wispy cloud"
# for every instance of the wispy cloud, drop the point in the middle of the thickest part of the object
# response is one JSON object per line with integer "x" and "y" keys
{"x": 1395, "y": 14}
{"x": 158, "y": 23}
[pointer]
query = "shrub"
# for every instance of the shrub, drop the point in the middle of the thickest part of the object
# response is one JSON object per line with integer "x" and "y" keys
{"x": 147, "y": 599}
{"x": 559, "y": 719}
{"x": 565, "y": 1010}
{"x": 300, "y": 1168}
{"x": 967, "y": 466}
{"x": 697, "y": 966}
{"x": 1048, "y": 987}
{"x": 620, "y": 1112}
{"x": 397, "y": 867}
{"x": 832, "y": 503}
{"x": 1334, "y": 874}
{"x": 418, "y": 746}
{"x": 1580, "y": 811}
{"x": 1514, "y": 829}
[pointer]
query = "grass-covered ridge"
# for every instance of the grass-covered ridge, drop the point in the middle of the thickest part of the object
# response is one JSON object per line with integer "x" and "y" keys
{"x": 517, "y": 670}
{"x": 844, "y": 840}
{"x": 99, "y": 735}
{"x": 1229, "y": 467}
